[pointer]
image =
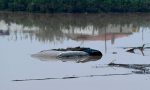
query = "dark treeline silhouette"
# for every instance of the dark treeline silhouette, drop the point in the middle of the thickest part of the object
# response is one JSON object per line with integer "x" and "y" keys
{"x": 76, "y": 6}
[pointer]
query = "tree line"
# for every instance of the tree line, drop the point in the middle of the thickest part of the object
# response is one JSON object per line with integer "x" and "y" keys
{"x": 75, "y": 6}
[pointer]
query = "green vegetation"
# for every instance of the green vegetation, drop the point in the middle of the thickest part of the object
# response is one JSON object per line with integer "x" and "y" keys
{"x": 74, "y": 6}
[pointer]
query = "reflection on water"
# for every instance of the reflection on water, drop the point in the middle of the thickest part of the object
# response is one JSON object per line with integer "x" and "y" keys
{"x": 57, "y": 27}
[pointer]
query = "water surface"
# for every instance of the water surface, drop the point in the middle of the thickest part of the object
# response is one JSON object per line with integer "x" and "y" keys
{"x": 23, "y": 34}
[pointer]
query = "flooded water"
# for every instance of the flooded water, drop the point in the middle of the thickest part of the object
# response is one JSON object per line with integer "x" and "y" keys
{"x": 23, "y": 34}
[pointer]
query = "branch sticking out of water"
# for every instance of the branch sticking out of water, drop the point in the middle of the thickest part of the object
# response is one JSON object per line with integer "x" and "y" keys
{"x": 140, "y": 48}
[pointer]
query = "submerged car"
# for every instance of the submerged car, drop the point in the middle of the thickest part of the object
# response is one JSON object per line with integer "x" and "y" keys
{"x": 77, "y": 54}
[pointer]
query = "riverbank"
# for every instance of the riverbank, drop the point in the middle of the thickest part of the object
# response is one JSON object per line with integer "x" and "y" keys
{"x": 75, "y": 6}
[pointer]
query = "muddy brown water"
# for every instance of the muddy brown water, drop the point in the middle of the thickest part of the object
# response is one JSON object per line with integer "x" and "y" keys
{"x": 24, "y": 34}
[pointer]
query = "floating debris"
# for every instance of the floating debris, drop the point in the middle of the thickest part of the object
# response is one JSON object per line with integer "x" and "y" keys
{"x": 142, "y": 68}
{"x": 77, "y": 54}
{"x": 114, "y": 52}
{"x": 144, "y": 49}
{"x": 141, "y": 72}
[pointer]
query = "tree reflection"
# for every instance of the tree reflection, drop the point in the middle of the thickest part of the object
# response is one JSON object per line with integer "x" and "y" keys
{"x": 57, "y": 27}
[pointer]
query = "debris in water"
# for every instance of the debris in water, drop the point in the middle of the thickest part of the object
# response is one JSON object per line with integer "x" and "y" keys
{"x": 114, "y": 52}
{"x": 144, "y": 49}
{"x": 142, "y": 68}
